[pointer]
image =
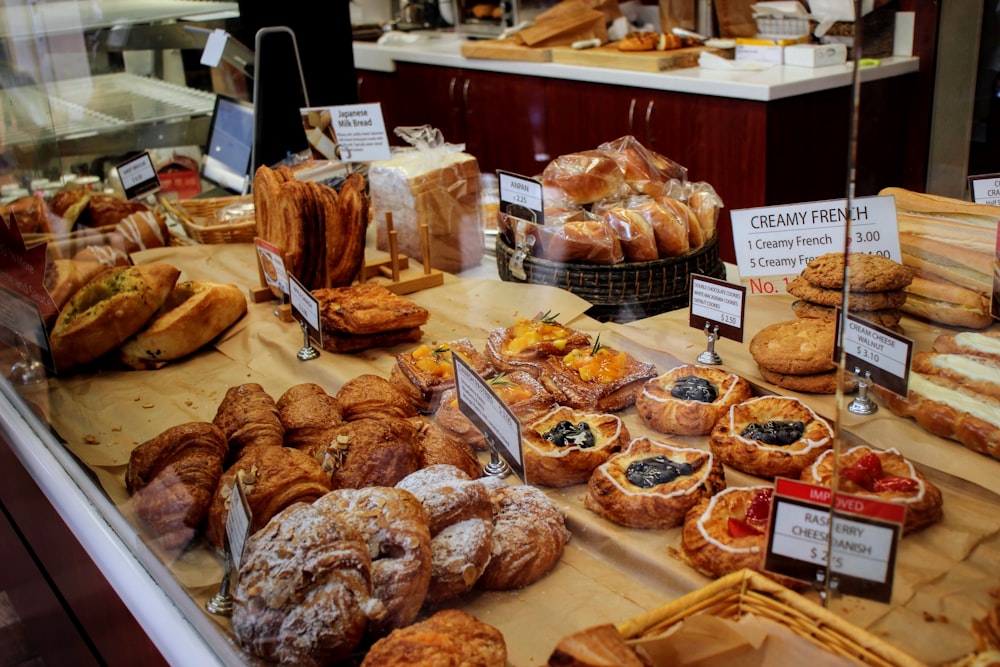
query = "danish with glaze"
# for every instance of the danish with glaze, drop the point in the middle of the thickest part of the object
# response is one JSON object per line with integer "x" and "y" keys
{"x": 727, "y": 532}
{"x": 652, "y": 484}
{"x": 526, "y": 342}
{"x": 564, "y": 446}
{"x": 885, "y": 475}
{"x": 598, "y": 378}
{"x": 771, "y": 436}
{"x": 428, "y": 371}
{"x": 689, "y": 399}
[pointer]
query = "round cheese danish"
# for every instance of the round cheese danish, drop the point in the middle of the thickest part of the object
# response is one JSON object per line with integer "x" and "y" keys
{"x": 521, "y": 345}
{"x": 564, "y": 446}
{"x": 885, "y": 475}
{"x": 771, "y": 436}
{"x": 652, "y": 484}
{"x": 689, "y": 399}
{"x": 728, "y": 531}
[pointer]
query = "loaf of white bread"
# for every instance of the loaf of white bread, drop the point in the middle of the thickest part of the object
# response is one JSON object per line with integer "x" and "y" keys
{"x": 438, "y": 187}
{"x": 950, "y": 244}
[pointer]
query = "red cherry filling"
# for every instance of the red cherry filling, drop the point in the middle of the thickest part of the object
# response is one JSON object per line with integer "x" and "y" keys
{"x": 740, "y": 528}
{"x": 758, "y": 514}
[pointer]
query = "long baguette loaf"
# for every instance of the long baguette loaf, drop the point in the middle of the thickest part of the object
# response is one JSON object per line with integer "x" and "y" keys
{"x": 946, "y": 208}
{"x": 947, "y": 303}
{"x": 938, "y": 258}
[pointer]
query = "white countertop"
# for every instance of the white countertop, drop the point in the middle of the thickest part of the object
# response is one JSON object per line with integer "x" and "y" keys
{"x": 779, "y": 81}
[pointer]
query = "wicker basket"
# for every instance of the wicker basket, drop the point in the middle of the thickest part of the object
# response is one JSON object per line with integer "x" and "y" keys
{"x": 749, "y": 592}
{"x": 620, "y": 292}
{"x": 198, "y": 218}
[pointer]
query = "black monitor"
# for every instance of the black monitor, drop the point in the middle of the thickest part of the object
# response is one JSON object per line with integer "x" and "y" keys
{"x": 230, "y": 144}
{"x": 279, "y": 93}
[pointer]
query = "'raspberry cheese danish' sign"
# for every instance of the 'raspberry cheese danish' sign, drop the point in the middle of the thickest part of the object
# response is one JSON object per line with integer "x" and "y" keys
{"x": 858, "y": 539}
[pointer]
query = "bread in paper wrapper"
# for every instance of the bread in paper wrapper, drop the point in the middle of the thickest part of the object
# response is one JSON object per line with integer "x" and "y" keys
{"x": 437, "y": 186}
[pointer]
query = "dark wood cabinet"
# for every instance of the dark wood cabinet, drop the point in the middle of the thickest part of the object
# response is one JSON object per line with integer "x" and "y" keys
{"x": 754, "y": 153}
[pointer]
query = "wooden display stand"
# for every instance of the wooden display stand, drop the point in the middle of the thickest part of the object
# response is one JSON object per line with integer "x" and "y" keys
{"x": 394, "y": 271}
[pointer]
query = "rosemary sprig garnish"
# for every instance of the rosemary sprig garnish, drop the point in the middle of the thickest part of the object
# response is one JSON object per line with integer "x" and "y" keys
{"x": 548, "y": 317}
{"x": 598, "y": 346}
{"x": 499, "y": 380}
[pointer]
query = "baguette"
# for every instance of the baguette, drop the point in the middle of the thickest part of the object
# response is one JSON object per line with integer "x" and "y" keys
{"x": 948, "y": 208}
{"x": 963, "y": 266}
{"x": 947, "y": 303}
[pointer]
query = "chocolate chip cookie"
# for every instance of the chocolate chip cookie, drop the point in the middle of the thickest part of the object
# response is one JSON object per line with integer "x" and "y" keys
{"x": 803, "y": 289}
{"x": 802, "y": 346}
{"x": 866, "y": 273}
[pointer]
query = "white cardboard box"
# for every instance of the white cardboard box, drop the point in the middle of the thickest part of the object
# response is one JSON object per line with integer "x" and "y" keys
{"x": 815, "y": 55}
{"x": 758, "y": 53}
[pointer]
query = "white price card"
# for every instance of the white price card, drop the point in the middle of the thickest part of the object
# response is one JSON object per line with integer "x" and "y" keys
{"x": 985, "y": 189}
{"x": 138, "y": 176}
{"x": 857, "y": 541}
{"x": 238, "y": 521}
{"x": 521, "y": 197}
{"x": 347, "y": 133}
{"x": 774, "y": 244}
{"x": 215, "y": 44}
{"x": 306, "y": 306}
{"x": 883, "y": 354}
{"x": 481, "y": 405}
{"x": 717, "y": 302}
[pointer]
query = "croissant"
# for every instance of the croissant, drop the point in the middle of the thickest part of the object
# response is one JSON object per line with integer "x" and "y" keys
{"x": 249, "y": 416}
{"x": 172, "y": 478}
{"x": 273, "y": 478}
{"x": 307, "y": 413}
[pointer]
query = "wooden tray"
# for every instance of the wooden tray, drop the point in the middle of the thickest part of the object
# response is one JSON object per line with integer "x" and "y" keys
{"x": 502, "y": 49}
{"x": 608, "y": 55}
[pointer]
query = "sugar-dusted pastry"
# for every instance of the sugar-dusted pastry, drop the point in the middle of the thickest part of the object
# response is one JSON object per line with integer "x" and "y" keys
{"x": 529, "y": 534}
{"x": 426, "y": 372}
{"x": 728, "y": 531}
{"x": 526, "y": 342}
{"x": 771, "y": 436}
{"x": 653, "y": 484}
{"x": 564, "y": 446}
{"x": 689, "y": 399}
{"x": 460, "y": 515}
{"x": 172, "y": 478}
{"x": 885, "y": 475}
{"x": 304, "y": 593}
{"x": 393, "y": 523}
{"x": 595, "y": 378}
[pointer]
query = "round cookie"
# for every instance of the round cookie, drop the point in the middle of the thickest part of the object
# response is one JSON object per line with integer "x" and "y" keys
{"x": 803, "y": 289}
{"x": 803, "y": 346}
{"x": 886, "y": 317}
{"x": 867, "y": 273}
{"x": 815, "y": 383}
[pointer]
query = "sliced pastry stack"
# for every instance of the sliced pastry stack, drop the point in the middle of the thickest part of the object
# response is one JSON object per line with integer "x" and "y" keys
{"x": 367, "y": 315}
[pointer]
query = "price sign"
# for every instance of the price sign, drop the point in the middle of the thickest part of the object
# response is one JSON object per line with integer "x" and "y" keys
{"x": 521, "y": 197}
{"x": 138, "y": 176}
{"x": 774, "y": 244}
{"x": 272, "y": 266}
{"x": 482, "y": 406}
{"x": 306, "y": 306}
{"x": 985, "y": 189}
{"x": 717, "y": 302}
{"x": 859, "y": 539}
{"x": 882, "y": 353}
{"x": 238, "y": 521}
{"x": 349, "y": 133}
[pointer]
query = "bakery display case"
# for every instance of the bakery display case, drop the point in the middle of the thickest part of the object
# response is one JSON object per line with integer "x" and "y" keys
{"x": 645, "y": 506}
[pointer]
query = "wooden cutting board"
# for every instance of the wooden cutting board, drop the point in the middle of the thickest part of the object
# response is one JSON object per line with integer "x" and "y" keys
{"x": 608, "y": 55}
{"x": 502, "y": 49}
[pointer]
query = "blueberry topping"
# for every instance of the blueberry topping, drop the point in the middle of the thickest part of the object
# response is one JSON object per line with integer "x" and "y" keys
{"x": 566, "y": 433}
{"x": 775, "y": 432}
{"x": 694, "y": 388}
{"x": 656, "y": 470}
